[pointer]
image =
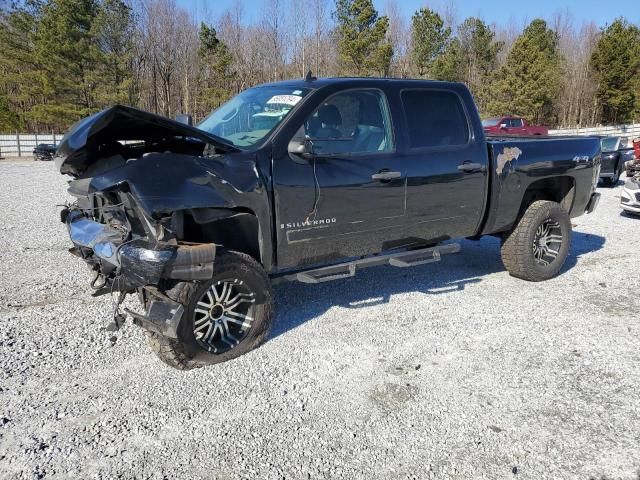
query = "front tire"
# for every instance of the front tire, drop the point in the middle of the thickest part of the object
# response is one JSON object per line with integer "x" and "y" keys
{"x": 537, "y": 247}
{"x": 224, "y": 317}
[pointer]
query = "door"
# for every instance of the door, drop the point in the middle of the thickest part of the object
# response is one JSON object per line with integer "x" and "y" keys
{"x": 516, "y": 127}
{"x": 347, "y": 197}
{"x": 446, "y": 164}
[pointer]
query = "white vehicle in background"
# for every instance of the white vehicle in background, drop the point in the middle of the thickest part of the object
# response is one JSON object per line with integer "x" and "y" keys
{"x": 630, "y": 196}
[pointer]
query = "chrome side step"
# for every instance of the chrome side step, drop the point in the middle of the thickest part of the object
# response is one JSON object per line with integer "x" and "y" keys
{"x": 402, "y": 260}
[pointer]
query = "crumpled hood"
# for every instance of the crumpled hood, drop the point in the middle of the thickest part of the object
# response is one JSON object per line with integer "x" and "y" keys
{"x": 79, "y": 147}
{"x": 167, "y": 182}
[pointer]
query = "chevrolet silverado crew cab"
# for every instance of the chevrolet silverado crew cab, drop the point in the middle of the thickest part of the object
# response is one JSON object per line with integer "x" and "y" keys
{"x": 310, "y": 181}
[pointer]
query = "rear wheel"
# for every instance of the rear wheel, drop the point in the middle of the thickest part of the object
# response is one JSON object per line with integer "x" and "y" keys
{"x": 537, "y": 247}
{"x": 224, "y": 317}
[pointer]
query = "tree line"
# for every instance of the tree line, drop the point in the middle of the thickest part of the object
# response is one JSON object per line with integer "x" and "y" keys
{"x": 61, "y": 60}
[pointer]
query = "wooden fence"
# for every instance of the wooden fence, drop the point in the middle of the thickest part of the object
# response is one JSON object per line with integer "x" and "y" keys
{"x": 22, "y": 144}
{"x": 627, "y": 131}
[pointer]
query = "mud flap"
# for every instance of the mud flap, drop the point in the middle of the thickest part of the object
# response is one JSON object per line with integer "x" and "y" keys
{"x": 593, "y": 202}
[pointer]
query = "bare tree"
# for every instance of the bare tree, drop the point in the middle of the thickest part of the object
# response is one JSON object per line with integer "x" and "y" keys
{"x": 507, "y": 34}
{"x": 299, "y": 36}
{"x": 399, "y": 35}
{"x": 577, "y": 104}
{"x": 273, "y": 24}
{"x": 322, "y": 50}
{"x": 166, "y": 43}
{"x": 448, "y": 11}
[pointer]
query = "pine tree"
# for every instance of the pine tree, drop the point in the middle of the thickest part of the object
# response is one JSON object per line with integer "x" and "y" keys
{"x": 64, "y": 48}
{"x": 361, "y": 34}
{"x": 429, "y": 37}
{"x": 112, "y": 32}
{"x": 448, "y": 65}
{"x": 18, "y": 65}
{"x": 529, "y": 83}
{"x": 215, "y": 75}
{"x": 479, "y": 58}
{"x": 62, "y": 60}
{"x": 616, "y": 61}
{"x": 9, "y": 120}
{"x": 471, "y": 58}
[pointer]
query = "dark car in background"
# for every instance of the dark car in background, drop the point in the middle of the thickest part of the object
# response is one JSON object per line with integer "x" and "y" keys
{"x": 44, "y": 152}
{"x": 615, "y": 154}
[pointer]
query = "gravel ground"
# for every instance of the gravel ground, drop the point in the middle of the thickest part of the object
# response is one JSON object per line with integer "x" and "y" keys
{"x": 452, "y": 370}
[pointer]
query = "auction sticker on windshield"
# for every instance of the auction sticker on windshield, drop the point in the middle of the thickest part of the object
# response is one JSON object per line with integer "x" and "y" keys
{"x": 284, "y": 99}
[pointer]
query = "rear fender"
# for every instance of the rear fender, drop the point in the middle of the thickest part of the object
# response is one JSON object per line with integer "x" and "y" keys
{"x": 517, "y": 165}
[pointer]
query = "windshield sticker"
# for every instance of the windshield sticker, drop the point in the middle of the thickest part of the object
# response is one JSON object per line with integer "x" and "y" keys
{"x": 284, "y": 100}
{"x": 296, "y": 92}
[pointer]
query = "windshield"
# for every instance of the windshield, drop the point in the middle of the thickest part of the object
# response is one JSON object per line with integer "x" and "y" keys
{"x": 609, "y": 144}
{"x": 490, "y": 122}
{"x": 251, "y": 115}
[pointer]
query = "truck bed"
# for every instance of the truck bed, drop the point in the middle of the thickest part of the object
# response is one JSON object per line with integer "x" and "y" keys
{"x": 519, "y": 164}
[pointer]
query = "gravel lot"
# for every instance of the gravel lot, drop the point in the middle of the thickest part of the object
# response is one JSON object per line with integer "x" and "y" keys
{"x": 452, "y": 370}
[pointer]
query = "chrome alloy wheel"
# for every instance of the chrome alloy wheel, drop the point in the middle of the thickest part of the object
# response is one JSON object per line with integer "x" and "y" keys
{"x": 547, "y": 242}
{"x": 222, "y": 317}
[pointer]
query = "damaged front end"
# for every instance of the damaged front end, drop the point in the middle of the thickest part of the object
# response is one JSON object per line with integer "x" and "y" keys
{"x": 137, "y": 179}
{"x": 124, "y": 262}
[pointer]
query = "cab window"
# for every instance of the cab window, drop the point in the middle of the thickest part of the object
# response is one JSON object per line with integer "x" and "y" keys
{"x": 351, "y": 122}
{"x": 435, "y": 118}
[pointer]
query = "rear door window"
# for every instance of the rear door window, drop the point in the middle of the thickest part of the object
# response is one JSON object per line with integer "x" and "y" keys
{"x": 435, "y": 118}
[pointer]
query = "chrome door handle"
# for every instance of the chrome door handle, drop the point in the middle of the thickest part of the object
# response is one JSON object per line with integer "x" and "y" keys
{"x": 469, "y": 167}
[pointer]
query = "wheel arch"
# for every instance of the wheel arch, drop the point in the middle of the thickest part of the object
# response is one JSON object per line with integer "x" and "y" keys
{"x": 560, "y": 189}
{"x": 235, "y": 229}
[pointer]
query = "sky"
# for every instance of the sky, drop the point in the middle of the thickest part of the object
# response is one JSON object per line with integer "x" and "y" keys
{"x": 501, "y": 12}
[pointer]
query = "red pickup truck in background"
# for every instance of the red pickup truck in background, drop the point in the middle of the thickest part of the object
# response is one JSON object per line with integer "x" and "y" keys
{"x": 511, "y": 126}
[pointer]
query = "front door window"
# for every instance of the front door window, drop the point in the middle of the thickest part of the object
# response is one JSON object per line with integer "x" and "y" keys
{"x": 352, "y": 122}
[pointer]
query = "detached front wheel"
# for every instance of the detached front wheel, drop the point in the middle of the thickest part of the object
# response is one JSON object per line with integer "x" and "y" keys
{"x": 537, "y": 247}
{"x": 224, "y": 317}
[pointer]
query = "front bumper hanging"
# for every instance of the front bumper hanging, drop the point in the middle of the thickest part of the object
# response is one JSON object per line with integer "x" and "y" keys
{"x": 125, "y": 266}
{"x": 139, "y": 262}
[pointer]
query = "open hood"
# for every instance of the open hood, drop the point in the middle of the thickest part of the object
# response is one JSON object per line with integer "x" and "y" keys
{"x": 81, "y": 146}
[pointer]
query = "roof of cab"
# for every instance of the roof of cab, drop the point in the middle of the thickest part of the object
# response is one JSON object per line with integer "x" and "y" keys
{"x": 370, "y": 81}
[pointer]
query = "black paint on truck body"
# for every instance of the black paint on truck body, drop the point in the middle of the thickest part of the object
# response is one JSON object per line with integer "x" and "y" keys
{"x": 313, "y": 210}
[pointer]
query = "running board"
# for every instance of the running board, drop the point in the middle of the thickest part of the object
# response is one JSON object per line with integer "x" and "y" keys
{"x": 402, "y": 260}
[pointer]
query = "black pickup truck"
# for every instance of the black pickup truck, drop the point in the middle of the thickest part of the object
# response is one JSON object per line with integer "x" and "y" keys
{"x": 305, "y": 180}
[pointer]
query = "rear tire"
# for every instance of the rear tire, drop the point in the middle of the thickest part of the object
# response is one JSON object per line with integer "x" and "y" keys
{"x": 209, "y": 334}
{"x": 537, "y": 247}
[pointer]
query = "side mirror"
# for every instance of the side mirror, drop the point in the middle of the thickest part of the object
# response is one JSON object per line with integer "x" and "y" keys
{"x": 503, "y": 125}
{"x": 186, "y": 119}
{"x": 301, "y": 147}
